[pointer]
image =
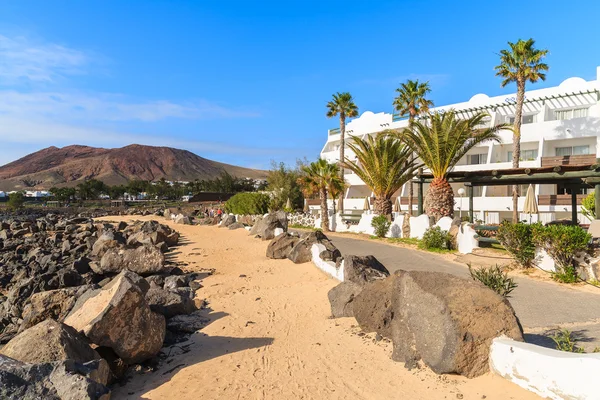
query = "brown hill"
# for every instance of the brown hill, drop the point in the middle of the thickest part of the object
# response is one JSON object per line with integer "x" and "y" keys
{"x": 71, "y": 165}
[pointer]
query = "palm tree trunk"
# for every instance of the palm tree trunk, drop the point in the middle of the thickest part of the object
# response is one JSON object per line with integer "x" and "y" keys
{"x": 324, "y": 213}
{"x": 342, "y": 146}
{"x": 383, "y": 206}
{"x": 517, "y": 145}
{"x": 411, "y": 118}
{"x": 439, "y": 200}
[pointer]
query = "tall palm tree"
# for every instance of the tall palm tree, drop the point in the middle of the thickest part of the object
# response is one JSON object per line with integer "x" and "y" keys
{"x": 384, "y": 164}
{"x": 440, "y": 142}
{"x": 411, "y": 102}
{"x": 317, "y": 177}
{"x": 342, "y": 105}
{"x": 521, "y": 63}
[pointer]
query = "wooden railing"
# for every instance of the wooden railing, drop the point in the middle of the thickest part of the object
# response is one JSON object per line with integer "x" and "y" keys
{"x": 558, "y": 199}
{"x": 584, "y": 159}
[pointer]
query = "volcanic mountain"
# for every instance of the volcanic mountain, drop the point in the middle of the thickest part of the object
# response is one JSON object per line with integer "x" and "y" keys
{"x": 71, "y": 165}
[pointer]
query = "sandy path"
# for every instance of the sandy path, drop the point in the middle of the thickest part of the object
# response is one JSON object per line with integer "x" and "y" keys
{"x": 271, "y": 337}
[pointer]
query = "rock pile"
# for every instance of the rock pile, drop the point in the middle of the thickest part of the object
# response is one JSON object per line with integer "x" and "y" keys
{"x": 446, "y": 321}
{"x": 298, "y": 248}
{"x": 82, "y": 297}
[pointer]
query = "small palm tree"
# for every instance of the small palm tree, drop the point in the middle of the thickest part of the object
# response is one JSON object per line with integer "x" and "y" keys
{"x": 318, "y": 177}
{"x": 521, "y": 63}
{"x": 384, "y": 164}
{"x": 440, "y": 142}
{"x": 342, "y": 105}
{"x": 411, "y": 102}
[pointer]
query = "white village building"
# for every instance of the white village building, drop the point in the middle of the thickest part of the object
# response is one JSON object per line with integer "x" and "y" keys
{"x": 561, "y": 126}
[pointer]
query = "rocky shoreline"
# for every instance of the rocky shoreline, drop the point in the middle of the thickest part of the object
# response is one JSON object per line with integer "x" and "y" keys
{"x": 83, "y": 301}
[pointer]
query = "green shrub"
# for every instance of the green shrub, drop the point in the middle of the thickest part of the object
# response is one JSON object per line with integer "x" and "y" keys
{"x": 562, "y": 243}
{"x": 436, "y": 238}
{"x": 381, "y": 224}
{"x": 248, "y": 203}
{"x": 588, "y": 206}
{"x": 494, "y": 278}
{"x": 517, "y": 240}
{"x": 16, "y": 200}
{"x": 566, "y": 341}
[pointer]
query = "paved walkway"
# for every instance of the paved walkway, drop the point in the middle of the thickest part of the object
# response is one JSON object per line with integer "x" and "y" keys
{"x": 540, "y": 306}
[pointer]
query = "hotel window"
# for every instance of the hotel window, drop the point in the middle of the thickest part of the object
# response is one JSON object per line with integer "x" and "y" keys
{"x": 525, "y": 119}
{"x": 526, "y": 155}
{"x": 473, "y": 159}
{"x": 561, "y": 115}
{"x": 572, "y": 151}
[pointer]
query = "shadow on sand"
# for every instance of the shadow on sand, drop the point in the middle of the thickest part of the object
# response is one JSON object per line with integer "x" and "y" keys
{"x": 200, "y": 347}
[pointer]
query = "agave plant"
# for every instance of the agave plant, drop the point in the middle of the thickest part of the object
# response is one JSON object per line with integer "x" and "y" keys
{"x": 440, "y": 141}
{"x": 319, "y": 177}
{"x": 384, "y": 164}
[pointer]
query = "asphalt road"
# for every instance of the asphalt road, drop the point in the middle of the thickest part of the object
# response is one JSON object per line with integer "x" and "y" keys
{"x": 540, "y": 306}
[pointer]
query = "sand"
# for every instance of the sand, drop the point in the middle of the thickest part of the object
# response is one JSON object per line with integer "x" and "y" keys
{"x": 271, "y": 337}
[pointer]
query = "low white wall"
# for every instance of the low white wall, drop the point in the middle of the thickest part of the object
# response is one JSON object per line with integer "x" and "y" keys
{"x": 550, "y": 373}
{"x": 364, "y": 225}
{"x": 418, "y": 226}
{"x": 444, "y": 223}
{"x": 543, "y": 260}
{"x": 326, "y": 266}
{"x": 396, "y": 227}
{"x": 466, "y": 239}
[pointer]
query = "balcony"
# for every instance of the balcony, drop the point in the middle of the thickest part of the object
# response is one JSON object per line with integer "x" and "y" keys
{"x": 334, "y": 131}
{"x": 584, "y": 159}
{"x": 558, "y": 199}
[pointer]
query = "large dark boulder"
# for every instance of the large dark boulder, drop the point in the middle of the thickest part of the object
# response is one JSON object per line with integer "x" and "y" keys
{"x": 266, "y": 227}
{"x": 282, "y": 245}
{"x": 228, "y": 219}
{"x": 372, "y": 307}
{"x": 236, "y": 225}
{"x": 60, "y": 380}
{"x": 143, "y": 260}
{"x": 363, "y": 269}
{"x": 301, "y": 253}
{"x": 448, "y": 322}
{"x": 49, "y": 341}
{"x": 118, "y": 316}
{"x": 51, "y": 304}
{"x": 341, "y": 299}
{"x": 169, "y": 303}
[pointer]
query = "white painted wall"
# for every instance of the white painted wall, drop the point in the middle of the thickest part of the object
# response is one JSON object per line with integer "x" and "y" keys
{"x": 550, "y": 373}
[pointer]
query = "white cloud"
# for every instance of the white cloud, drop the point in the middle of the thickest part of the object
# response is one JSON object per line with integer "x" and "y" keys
{"x": 77, "y": 106}
{"x": 22, "y": 60}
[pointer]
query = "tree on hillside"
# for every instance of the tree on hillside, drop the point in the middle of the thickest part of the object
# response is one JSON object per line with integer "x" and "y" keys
{"x": 317, "y": 177}
{"x": 384, "y": 164}
{"x": 411, "y": 102}
{"x": 521, "y": 63}
{"x": 440, "y": 142}
{"x": 342, "y": 105}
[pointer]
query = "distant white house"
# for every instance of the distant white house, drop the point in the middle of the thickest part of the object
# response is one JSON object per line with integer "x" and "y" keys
{"x": 37, "y": 193}
{"x": 3, "y": 194}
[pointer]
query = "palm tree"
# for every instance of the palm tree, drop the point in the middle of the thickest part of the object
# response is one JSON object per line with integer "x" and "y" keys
{"x": 440, "y": 142}
{"x": 411, "y": 102}
{"x": 342, "y": 105}
{"x": 521, "y": 63}
{"x": 384, "y": 164}
{"x": 317, "y": 177}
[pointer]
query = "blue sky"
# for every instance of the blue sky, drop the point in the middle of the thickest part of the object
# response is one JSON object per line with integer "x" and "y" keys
{"x": 246, "y": 82}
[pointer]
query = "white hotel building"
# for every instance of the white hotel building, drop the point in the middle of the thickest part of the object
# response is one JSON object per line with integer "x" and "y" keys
{"x": 561, "y": 125}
